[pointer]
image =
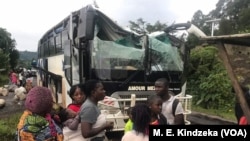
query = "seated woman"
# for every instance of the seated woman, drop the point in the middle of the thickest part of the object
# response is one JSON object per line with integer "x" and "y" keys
{"x": 70, "y": 116}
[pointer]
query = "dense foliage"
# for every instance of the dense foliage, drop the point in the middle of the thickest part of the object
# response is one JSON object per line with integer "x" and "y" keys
{"x": 4, "y": 59}
{"x": 208, "y": 81}
{"x": 8, "y": 50}
{"x": 26, "y": 58}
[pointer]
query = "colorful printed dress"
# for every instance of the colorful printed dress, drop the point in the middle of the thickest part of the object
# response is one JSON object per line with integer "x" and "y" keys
{"x": 32, "y": 127}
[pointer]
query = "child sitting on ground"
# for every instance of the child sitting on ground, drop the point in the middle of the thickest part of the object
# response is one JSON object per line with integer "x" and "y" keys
{"x": 28, "y": 85}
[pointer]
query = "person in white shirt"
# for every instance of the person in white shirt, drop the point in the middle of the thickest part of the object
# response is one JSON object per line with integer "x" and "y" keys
{"x": 173, "y": 117}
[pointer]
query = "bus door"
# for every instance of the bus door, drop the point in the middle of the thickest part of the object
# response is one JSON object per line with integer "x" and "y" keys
{"x": 67, "y": 68}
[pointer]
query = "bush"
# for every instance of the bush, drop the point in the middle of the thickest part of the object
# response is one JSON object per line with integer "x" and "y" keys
{"x": 208, "y": 81}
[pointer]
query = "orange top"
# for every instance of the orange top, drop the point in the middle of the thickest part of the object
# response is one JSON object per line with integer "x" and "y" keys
{"x": 156, "y": 122}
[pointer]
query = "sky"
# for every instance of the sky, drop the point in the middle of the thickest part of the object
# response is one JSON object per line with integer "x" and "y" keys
{"x": 29, "y": 20}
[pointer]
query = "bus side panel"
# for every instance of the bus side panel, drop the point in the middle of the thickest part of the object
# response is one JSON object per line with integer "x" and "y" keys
{"x": 55, "y": 64}
{"x": 56, "y": 67}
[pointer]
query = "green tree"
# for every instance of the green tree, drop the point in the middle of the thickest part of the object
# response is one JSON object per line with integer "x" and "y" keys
{"x": 225, "y": 27}
{"x": 140, "y": 26}
{"x": 244, "y": 20}
{"x": 7, "y": 44}
{"x": 4, "y": 63}
{"x": 234, "y": 15}
{"x": 14, "y": 56}
{"x": 158, "y": 26}
{"x": 199, "y": 20}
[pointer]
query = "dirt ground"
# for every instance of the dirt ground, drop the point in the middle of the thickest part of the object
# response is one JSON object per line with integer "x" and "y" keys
{"x": 11, "y": 107}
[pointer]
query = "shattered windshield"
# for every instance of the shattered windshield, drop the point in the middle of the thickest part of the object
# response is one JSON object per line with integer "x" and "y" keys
{"x": 114, "y": 55}
{"x": 164, "y": 57}
{"x": 124, "y": 54}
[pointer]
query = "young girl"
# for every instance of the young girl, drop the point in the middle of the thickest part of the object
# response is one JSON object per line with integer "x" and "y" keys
{"x": 141, "y": 120}
{"x": 155, "y": 106}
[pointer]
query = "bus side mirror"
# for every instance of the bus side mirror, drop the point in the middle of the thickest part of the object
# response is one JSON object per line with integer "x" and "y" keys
{"x": 86, "y": 23}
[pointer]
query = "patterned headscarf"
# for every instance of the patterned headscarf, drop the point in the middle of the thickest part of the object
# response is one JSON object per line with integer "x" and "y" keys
{"x": 39, "y": 100}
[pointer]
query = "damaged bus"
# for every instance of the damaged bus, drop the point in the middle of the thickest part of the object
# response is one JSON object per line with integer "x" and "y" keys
{"x": 89, "y": 45}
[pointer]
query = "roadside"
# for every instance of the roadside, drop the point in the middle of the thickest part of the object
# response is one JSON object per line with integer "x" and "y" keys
{"x": 197, "y": 118}
{"x": 11, "y": 107}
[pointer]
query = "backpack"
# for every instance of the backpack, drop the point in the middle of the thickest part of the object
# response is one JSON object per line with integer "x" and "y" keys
{"x": 174, "y": 105}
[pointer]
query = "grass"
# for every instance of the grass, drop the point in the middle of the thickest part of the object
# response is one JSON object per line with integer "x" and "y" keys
{"x": 229, "y": 115}
{"x": 8, "y": 127}
{"x": 3, "y": 80}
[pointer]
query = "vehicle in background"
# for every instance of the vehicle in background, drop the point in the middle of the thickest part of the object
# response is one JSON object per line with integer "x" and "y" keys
{"x": 32, "y": 73}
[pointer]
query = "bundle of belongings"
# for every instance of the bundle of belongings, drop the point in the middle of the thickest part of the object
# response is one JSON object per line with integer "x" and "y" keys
{"x": 36, "y": 122}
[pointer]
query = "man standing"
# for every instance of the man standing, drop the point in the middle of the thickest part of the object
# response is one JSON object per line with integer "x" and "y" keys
{"x": 174, "y": 114}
